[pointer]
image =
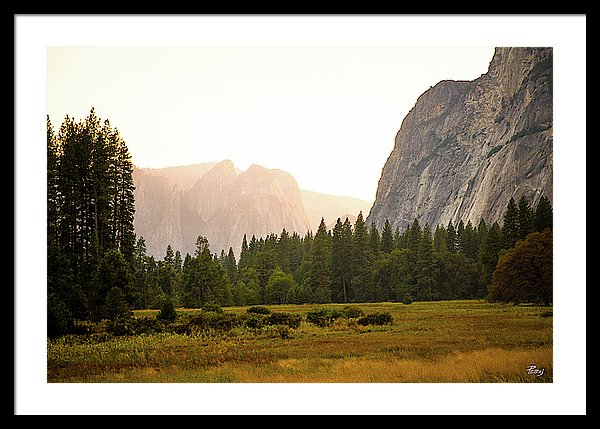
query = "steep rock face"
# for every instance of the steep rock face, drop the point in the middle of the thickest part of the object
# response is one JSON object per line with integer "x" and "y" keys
{"x": 467, "y": 147}
{"x": 157, "y": 211}
{"x": 221, "y": 206}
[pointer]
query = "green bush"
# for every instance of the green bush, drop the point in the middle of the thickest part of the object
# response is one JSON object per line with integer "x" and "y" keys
{"x": 214, "y": 320}
{"x": 376, "y": 319}
{"x": 212, "y": 306}
{"x": 323, "y": 316}
{"x": 258, "y": 309}
{"x": 135, "y": 326}
{"x": 351, "y": 312}
{"x": 287, "y": 319}
{"x": 408, "y": 299}
{"x": 252, "y": 321}
{"x": 167, "y": 311}
{"x": 60, "y": 320}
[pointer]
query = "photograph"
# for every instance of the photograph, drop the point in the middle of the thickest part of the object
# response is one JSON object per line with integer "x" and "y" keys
{"x": 251, "y": 220}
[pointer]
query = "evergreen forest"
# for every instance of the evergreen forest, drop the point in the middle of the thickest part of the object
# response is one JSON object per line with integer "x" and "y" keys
{"x": 98, "y": 268}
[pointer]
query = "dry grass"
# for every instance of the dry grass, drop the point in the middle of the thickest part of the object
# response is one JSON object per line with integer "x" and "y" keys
{"x": 436, "y": 342}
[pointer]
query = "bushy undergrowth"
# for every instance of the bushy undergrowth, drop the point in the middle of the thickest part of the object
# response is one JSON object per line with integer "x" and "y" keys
{"x": 258, "y": 309}
{"x": 217, "y": 320}
{"x": 207, "y": 320}
{"x": 375, "y": 319}
{"x": 326, "y": 316}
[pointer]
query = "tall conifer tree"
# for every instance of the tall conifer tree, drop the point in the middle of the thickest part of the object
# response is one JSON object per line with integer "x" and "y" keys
{"x": 320, "y": 269}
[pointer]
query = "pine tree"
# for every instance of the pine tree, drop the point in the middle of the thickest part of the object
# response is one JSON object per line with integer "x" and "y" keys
{"x": 398, "y": 239}
{"x": 320, "y": 269}
{"x": 113, "y": 272}
{"x": 467, "y": 238}
{"x": 542, "y": 217}
{"x": 451, "y": 238}
{"x": 244, "y": 254}
{"x": 283, "y": 251}
{"x": 525, "y": 218}
{"x": 511, "y": 231}
{"x": 426, "y": 267}
{"x": 374, "y": 239}
{"x": 90, "y": 201}
{"x": 230, "y": 266}
{"x": 439, "y": 240}
{"x": 387, "y": 237}
{"x": 414, "y": 235}
{"x": 169, "y": 258}
{"x": 490, "y": 248}
{"x": 362, "y": 276}
{"x": 341, "y": 260}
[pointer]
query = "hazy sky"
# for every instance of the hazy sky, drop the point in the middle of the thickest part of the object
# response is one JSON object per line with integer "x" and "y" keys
{"x": 327, "y": 115}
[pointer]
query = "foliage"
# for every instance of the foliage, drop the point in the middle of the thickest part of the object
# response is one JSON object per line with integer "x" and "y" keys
{"x": 322, "y": 316}
{"x": 351, "y": 312}
{"x": 97, "y": 270}
{"x": 376, "y": 319}
{"x": 167, "y": 311}
{"x": 258, "y": 309}
{"x": 278, "y": 286}
{"x": 287, "y": 319}
{"x": 59, "y": 318}
{"x": 407, "y": 299}
{"x": 325, "y": 316}
{"x": 218, "y": 321}
{"x": 116, "y": 306}
{"x": 90, "y": 207}
{"x": 443, "y": 341}
{"x": 524, "y": 273}
{"x": 212, "y": 306}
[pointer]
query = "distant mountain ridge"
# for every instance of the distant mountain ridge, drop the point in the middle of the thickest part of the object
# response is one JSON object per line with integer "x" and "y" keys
{"x": 222, "y": 203}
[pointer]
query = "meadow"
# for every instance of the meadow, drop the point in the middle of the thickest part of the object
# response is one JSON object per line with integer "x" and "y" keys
{"x": 470, "y": 341}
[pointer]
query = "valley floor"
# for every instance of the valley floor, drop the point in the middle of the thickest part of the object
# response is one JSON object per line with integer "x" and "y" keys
{"x": 428, "y": 342}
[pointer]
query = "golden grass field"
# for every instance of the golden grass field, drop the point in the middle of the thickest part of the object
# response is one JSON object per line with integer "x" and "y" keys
{"x": 428, "y": 342}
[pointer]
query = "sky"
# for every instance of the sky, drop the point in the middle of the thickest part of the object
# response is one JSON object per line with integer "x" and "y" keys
{"x": 326, "y": 115}
{"x": 363, "y": 85}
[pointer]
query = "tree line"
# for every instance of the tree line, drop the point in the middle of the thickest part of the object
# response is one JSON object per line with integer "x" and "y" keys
{"x": 98, "y": 268}
{"x": 355, "y": 263}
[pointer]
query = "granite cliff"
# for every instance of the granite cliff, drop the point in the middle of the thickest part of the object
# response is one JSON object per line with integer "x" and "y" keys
{"x": 176, "y": 204}
{"x": 221, "y": 205}
{"x": 467, "y": 147}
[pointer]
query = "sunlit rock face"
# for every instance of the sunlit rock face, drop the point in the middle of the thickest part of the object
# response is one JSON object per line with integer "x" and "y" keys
{"x": 467, "y": 147}
{"x": 221, "y": 205}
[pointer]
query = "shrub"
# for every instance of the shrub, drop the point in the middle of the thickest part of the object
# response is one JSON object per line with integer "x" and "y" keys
{"x": 408, "y": 299}
{"x": 214, "y": 320}
{"x": 134, "y": 326}
{"x": 283, "y": 331}
{"x": 376, "y": 319}
{"x": 252, "y": 321}
{"x": 258, "y": 309}
{"x": 524, "y": 272}
{"x": 60, "y": 320}
{"x": 116, "y": 306}
{"x": 212, "y": 306}
{"x": 323, "y": 316}
{"x": 167, "y": 311}
{"x": 351, "y": 312}
{"x": 287, "y": 319}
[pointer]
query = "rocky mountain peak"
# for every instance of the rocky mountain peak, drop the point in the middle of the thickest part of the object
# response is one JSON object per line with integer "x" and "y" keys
{"x": 467, "y": 147}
